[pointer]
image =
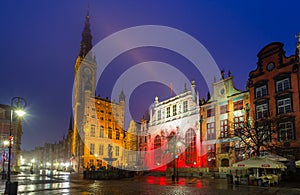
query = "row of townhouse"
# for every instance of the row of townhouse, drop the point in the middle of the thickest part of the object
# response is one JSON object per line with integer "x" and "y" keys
{"x": 213, "y": 131}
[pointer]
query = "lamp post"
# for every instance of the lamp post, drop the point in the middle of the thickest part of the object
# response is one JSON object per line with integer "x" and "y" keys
{"x": 19, "y": 104}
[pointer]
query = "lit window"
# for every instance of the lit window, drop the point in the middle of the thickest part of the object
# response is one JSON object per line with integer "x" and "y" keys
{"x": 101, "y": 131}
{"x": 239, "y": 125}
{"x": 238, "y": 105}
{"x": 174, "y": 110}
{"x": 168, "y": 111}
{"x": 159, "y": 115}
{"x": 101, "y": 148}
{"x": 210, "y": 112}
{"x": 262, "y": 111}
{"x": 109, "y": 132}
{"x": 286, "y": 131}
{"x": 223, "y": 109}
{"x": 211, "y": 131}
{"x": 92, "y": 132}
{"x": 117, "y": 135}
{"x": 225, "y": 148}
{"x": 190, "y": 151}
{"x": 117, "y": 150}
{"x": 224, "y": 128}
{"x": 211, "y": 155}
{"x": 284, "y": 106}
{"x": 92, "y": 148}
{"x": 185, "y": 106}
{"x": 282, "y": 85}
{"x": 261, "y": 91}
{"x": 157, "y": 150}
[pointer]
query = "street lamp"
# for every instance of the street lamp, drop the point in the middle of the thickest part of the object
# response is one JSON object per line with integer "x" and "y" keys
{"x": 17, "y": 105}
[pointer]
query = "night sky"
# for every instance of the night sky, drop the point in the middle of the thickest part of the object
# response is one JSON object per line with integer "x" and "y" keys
{"x": 40, "y": 40}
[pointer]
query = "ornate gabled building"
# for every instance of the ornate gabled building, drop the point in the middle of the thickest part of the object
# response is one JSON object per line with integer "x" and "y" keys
{"x": 172, "y": 134}
{"x": 274, "y": 92}
{"x": 131, "y": 145}
{"x": 221, "y": 115}
{"x": 98, "y": 123}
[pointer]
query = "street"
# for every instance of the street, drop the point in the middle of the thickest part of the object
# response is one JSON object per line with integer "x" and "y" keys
{"x": 144, "y": 185}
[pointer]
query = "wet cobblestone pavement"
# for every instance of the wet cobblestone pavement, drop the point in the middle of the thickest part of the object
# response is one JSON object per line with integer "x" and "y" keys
{"x": 142, "y": 185}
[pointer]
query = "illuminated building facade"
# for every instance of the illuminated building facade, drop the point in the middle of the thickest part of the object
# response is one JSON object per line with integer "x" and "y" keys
{"x": 130, "y": 145}
{"x": 98, "y": 122}
{"x": 274, "y": 92}
{"x": 221, "y": 116}
{"x": 172, "y": 133}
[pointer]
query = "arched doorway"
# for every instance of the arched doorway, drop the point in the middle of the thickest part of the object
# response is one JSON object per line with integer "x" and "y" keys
{"x": 225, "y": 162}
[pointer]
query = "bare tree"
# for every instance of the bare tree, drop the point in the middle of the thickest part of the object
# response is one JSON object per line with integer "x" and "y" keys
{"x": 260, "y": 135}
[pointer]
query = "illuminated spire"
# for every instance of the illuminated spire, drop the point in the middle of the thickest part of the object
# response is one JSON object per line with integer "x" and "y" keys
{"x": 86, "y": 41}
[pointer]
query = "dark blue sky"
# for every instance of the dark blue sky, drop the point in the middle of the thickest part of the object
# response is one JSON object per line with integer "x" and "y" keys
{"x": 40, "y": 40}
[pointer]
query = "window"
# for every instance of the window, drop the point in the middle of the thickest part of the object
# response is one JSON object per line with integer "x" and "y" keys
{"x": 224, "y": 148}
{"x": 117, "y": 150}
{"x": 239, "y": 152}
{"x": 190, "y": 152}
{"x": 157, "y": 150}
{"x": 92, "y": 132}
{"x": 101, "y": 147}
{"x": 159, "y": 115}
{"x": 117, "y": 135}
{"x": 101, "y": 131}
{"x": 224, "y": 128}
{"x": 282, "y": 85}
{"x": 223, "y": 109}
{"x": 92, "y": 148}
{"x": 185, "y": 106}
{"x": 211, "y": 155}
{"x": 261, "y": 91}
{"x": 210, "y": 112}
{"x": 174, "y": 110}
{"x": 262, "y": 111}
{"x": 286, "y": 131}
{"x": 239, "y": 125}
{"x": 211, "y": 131}
{"x": 168, "y": 112}
{"x": 109, "y": 132}
{"x": 284, "y": 105}
{"x": 238, "y": 105}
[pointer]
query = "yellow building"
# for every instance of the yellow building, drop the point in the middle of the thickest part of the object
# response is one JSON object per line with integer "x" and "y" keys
{"x": 130, "y": 145}
{"x": 98, "y": 123}
{"x": 223, "y": 114}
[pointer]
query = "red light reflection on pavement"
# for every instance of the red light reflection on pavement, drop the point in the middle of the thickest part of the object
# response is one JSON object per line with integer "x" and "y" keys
{"x": 156, "y": 180}
{"x": 199, "y": 184}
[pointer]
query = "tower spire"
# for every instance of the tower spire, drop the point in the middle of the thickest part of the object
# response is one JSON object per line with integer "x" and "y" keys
{"x": 86, "y": 40}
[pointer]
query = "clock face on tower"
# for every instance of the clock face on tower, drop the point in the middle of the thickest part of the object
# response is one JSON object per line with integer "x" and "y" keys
{"x": 87, "y": 71}
{"x": 270, "y": 66}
